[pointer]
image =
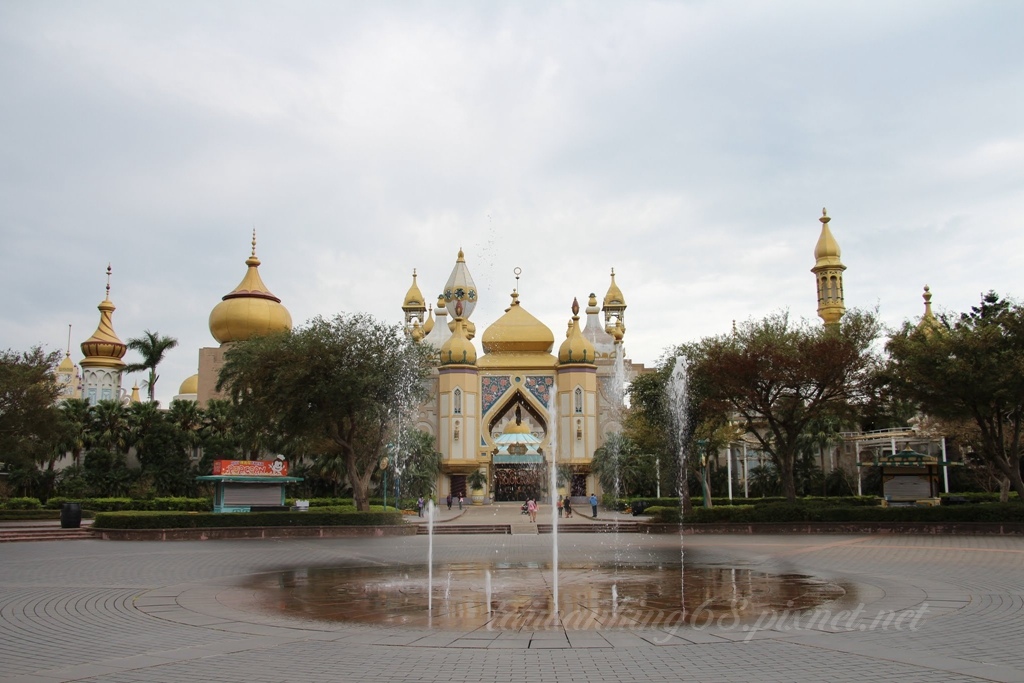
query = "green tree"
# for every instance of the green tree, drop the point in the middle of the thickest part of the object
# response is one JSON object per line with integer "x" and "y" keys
{"x": 779, "y": 376}
{"x": 970, "y": 368}
{"x": 152, "y": 347}
{"x": 340, "y": 383}
{"x": 29, "y": 419}
{"x": 110, "y": 428}
{"x": 75, "y": 419}
{"x": 622, "y": 467}
{"x": 420, "y": 462}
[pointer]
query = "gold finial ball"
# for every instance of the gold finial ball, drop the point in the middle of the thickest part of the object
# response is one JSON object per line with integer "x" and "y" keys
{"x": 575, "y": 306}
{"x": 824, "y": 216}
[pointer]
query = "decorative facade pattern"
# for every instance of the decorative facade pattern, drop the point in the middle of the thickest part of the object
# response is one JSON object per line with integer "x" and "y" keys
{"x": 540, "y": 387}
{"x": 492, "y": 388}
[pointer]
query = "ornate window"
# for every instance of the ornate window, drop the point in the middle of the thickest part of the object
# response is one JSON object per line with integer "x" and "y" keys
{"x": 578, "y": 400}
{"x": 457, "y": 401}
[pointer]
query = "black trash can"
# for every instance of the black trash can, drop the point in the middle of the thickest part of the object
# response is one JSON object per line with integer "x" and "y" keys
{"x": 70, "y": 515}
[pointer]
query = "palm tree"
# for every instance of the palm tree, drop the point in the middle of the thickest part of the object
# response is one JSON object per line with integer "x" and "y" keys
{"x": 110, "y": 427}
{"x": 76, "y": 417}
{"x": 152, "y": 347}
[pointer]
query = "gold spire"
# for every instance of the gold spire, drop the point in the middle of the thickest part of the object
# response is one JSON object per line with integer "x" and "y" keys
{"x": 104, "y": 348}
{"x": 828, "y": 272}
{"x": 428, "y": 326}
{"x": 414, "y": 297}
{"x": 929, "y": 324}
{"x": 576, "y": 349}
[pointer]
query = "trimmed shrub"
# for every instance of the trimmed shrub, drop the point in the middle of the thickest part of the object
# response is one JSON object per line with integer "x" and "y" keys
{"x": 206, "y": 520}
{"x": 783, "y": 513}
{"x": 21, "y": 504}
{"x": 137, "y": 504}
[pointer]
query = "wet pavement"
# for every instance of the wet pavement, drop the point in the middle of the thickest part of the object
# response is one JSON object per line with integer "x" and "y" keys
{"x": 916, "y": 608}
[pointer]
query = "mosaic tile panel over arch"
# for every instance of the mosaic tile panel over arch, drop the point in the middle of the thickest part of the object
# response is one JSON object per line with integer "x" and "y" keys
{"x": 540, "y": 386}
{"x": 492, "y": 388}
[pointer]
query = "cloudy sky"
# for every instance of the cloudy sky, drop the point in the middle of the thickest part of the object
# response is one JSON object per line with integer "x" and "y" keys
{"x": 689, "y": 145}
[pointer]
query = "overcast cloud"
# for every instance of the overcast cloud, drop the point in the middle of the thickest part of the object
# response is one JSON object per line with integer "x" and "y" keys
{"x": 689, "y": 145}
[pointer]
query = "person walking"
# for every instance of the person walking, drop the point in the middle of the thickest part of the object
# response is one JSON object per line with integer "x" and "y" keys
{"x": 460, "y": 501}
{"x": 531, "y": 507}
{"x": 559, "y": 504}
{"x": 449, "y": 501}
{"x": 568, "y": 507}
{"x": 593, "y": 504}
{"x": 419, "y": 506}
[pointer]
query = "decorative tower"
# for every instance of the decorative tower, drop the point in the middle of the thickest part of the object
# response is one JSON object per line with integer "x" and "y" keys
{"x": 103, "y": 351}
{"x": 614, "y": 306}
{"x": 459, "y": 394}
{"x": 68, "y": 379}
{"x": 248, "y": 311}
{"x": 414, "y": 306}
{"x": 828, "y": 272}
{"x": 577, "y": 395}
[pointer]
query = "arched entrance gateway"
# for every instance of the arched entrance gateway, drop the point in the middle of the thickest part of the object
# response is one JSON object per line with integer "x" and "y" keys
{"x": 517, "y": 410}
{"x": 517, "y": 461}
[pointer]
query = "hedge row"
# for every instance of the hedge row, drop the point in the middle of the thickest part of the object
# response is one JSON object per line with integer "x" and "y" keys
{"x": 20, "y": 504}
{"x": 202, "y": 520}
{"x": 137, "y": 504}
{"x": 816, "y": 501}
{"x": 786, "y": 512}
{"x": 978, "y": 496}
{"x": 21, "y": 515}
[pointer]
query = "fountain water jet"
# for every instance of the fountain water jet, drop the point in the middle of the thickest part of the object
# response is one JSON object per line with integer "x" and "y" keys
{"x": 553, "y": 487}
{"x": 678, "y": 403}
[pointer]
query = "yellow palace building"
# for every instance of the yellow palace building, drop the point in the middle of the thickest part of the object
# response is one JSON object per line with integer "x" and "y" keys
{"x": 523, "y": 405}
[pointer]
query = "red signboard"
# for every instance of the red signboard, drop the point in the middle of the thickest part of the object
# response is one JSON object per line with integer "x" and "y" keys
{"x": 251, "y": 468}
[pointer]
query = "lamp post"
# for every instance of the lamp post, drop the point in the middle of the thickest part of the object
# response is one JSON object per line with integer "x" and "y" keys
{"x": 384, "y": 467}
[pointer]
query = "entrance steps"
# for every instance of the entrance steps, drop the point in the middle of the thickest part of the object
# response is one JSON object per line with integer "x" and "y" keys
{"x": 592, "y": 528}
{"x": 11, "y": 535}
{"x": 447, "y": 529}
{"x": 528, "y": 529}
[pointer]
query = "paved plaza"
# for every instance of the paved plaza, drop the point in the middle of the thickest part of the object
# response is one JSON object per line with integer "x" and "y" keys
{"x": 917, "y": 608}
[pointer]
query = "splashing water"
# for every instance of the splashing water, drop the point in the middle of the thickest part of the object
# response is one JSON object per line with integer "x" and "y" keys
{"x": 678, "y": 399}
{"x": 430, "y": 557}
{"x": 553, "y": 490}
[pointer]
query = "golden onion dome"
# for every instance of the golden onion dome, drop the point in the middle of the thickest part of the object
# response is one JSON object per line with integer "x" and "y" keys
{"x": 576, "y": 349}
{"x": 826, "y": 251}
{"x": 428, "y": 326}
{"x": 414, "y": 297}
{"x": 457, "y": 349}
{"x": 250, "y": 310}
{"x": 190, "y": 385}
{"x": 614, "y": 297}
{"x": 517, "y": 332}
{"x": 516, "y": 426}
{"x": 104, "y": 348}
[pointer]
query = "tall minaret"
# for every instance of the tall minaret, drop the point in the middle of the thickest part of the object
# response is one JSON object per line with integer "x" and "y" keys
{"x": 578, "y": 434}
{"x": 614, "y": 306}
{"x": 103, "y": 351}
{"x": 414, "y": 306}
{"x": 828, "y": 272}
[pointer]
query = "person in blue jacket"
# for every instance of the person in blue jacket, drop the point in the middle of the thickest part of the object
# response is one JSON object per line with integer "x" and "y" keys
{"x": 593, "y": 504}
